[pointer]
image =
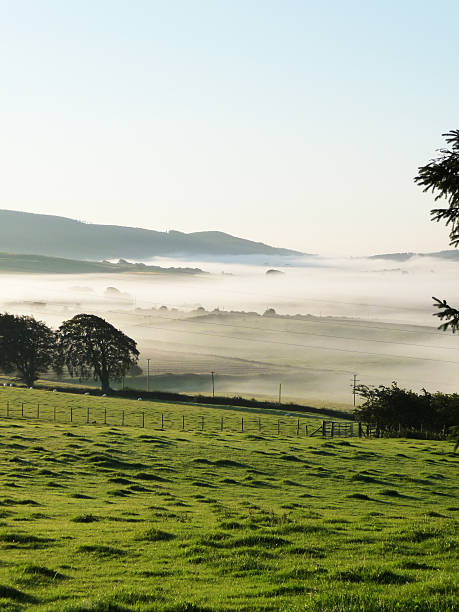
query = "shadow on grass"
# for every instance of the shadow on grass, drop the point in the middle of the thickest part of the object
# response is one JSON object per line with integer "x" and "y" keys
{"x": 376, "y": 575}
{"x": 9, "y": 592}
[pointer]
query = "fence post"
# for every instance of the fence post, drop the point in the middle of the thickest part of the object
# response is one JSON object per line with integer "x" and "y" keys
{"x": 298, "y": 427}
{"x": 162, "y": 421}
{"x": 202, "y": 423}
{"x": 259, "y": 424}
{"x": 71, "y": 413}
{"x": 22, "y": 410}
{"x": 38, "y": 411}
{"x": 122, "y": 417}
{"x": 183, "y": 421}
{"x": 242, "y": 424}
{"x": 105, "y": 415}
{"x": 143, "y": 419}
{"x": 324, "y": 430}
{"x": 332, "y": 429}
{"x": 360, "y": 429}
{"x": 306, "y": 430}
{"x": 87, "y": 414}
{"x": 278, "y": 427}
{"x": 7, "y": 409}
{"x": 54, "y": 413}
{"x": 221, "y": 423}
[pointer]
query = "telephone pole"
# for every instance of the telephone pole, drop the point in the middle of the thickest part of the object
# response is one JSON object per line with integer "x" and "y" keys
{"x": 148, "y": 374}
{"x": 354, "y": 386}
{"x": 213, "y": 384}
{"x": 280, "y": 393}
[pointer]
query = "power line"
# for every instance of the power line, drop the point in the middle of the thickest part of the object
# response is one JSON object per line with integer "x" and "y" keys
{"x": 191, "y": 320}
{"x": 385, "y": 327}
{"x": 320, "y": 321}
{"x": 281, "y": 331}
{"x": 317, "y": 348}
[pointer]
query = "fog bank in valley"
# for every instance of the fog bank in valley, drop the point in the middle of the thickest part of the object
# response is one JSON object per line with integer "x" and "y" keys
{"x": 372, "y": 317}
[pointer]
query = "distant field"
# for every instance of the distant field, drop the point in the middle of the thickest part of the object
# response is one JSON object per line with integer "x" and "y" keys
{"x": 314, "y": 358}
{"x": 110, "y": 519}
{"x": 139, "y": 384}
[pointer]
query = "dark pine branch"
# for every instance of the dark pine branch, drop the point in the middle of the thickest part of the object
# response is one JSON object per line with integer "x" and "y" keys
{"x": 441, "y": 177}
{"x": 446, "y": 313}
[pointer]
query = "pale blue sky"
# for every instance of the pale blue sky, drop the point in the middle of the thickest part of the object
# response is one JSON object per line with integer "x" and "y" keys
{"x": 296, "y": 123}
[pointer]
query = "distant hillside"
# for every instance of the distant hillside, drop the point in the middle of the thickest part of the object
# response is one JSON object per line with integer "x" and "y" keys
{"x": 40, "y": 264}
{"x": 452, "y": 255}
{"x": 62, "y": 237}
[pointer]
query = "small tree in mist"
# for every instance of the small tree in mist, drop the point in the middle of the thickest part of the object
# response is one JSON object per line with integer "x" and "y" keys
{"x": 27, "y": 346}
{"x": 441, "y": 177}
{"x": 90, "y": 346}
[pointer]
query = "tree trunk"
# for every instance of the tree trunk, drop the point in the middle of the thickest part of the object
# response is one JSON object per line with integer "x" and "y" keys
{"x": 28, "y": 378}
{"x": 105, "y": 383}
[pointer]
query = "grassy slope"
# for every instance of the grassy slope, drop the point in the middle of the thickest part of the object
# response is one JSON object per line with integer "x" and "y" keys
{"x": 110, "y": 518}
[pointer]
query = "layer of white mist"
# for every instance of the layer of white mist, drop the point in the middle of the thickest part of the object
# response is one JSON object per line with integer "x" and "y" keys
{"x": 313, "y": 360}
{"x": 362, "y": 288}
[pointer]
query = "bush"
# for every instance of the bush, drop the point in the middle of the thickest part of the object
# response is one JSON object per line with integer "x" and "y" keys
{"x": 393, "y": 408}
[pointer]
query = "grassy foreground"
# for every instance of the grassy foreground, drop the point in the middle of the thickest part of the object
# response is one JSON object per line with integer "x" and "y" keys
{"x": 105, "y": 518}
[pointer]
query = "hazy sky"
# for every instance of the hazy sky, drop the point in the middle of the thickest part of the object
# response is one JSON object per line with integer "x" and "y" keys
{"x": 298, "y": 123}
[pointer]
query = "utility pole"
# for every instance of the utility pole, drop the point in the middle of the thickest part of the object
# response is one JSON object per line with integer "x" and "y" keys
{"x": 148, "y": 374}
{"x": 354, "y": 386}
{"x": 213, "y": 384}
{"x": 280, "y": 393}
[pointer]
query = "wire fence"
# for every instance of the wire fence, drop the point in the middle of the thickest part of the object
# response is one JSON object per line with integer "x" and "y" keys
{"x": 187, "y": 421}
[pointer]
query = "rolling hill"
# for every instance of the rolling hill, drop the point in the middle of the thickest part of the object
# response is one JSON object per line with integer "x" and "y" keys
{"x": 54, "y": 236}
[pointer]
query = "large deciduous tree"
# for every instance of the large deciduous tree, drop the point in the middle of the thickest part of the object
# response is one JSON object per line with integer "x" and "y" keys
{"x": 90, "y": 346}
{"x": 441, "y": 177}
{"x": 26, "y": 346}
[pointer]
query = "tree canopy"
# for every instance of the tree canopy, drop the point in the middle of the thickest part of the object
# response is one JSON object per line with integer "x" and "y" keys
{"x": 91, "y": 347}
{"x": 441, "y": 177}
{"x": 26, "y": 346}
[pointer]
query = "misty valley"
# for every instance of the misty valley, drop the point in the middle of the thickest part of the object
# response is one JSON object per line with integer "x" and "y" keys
{"x": 308, "y": 325}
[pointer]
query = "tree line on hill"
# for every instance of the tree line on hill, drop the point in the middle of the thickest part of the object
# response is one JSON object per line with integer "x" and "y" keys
{"x": 86, "y": 345}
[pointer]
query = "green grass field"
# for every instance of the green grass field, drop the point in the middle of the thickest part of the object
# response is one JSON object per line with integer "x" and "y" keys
{"x": 110, "y": 518}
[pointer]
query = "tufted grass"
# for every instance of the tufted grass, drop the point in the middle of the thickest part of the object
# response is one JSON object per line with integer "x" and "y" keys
{"x": 109, "y": 519}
